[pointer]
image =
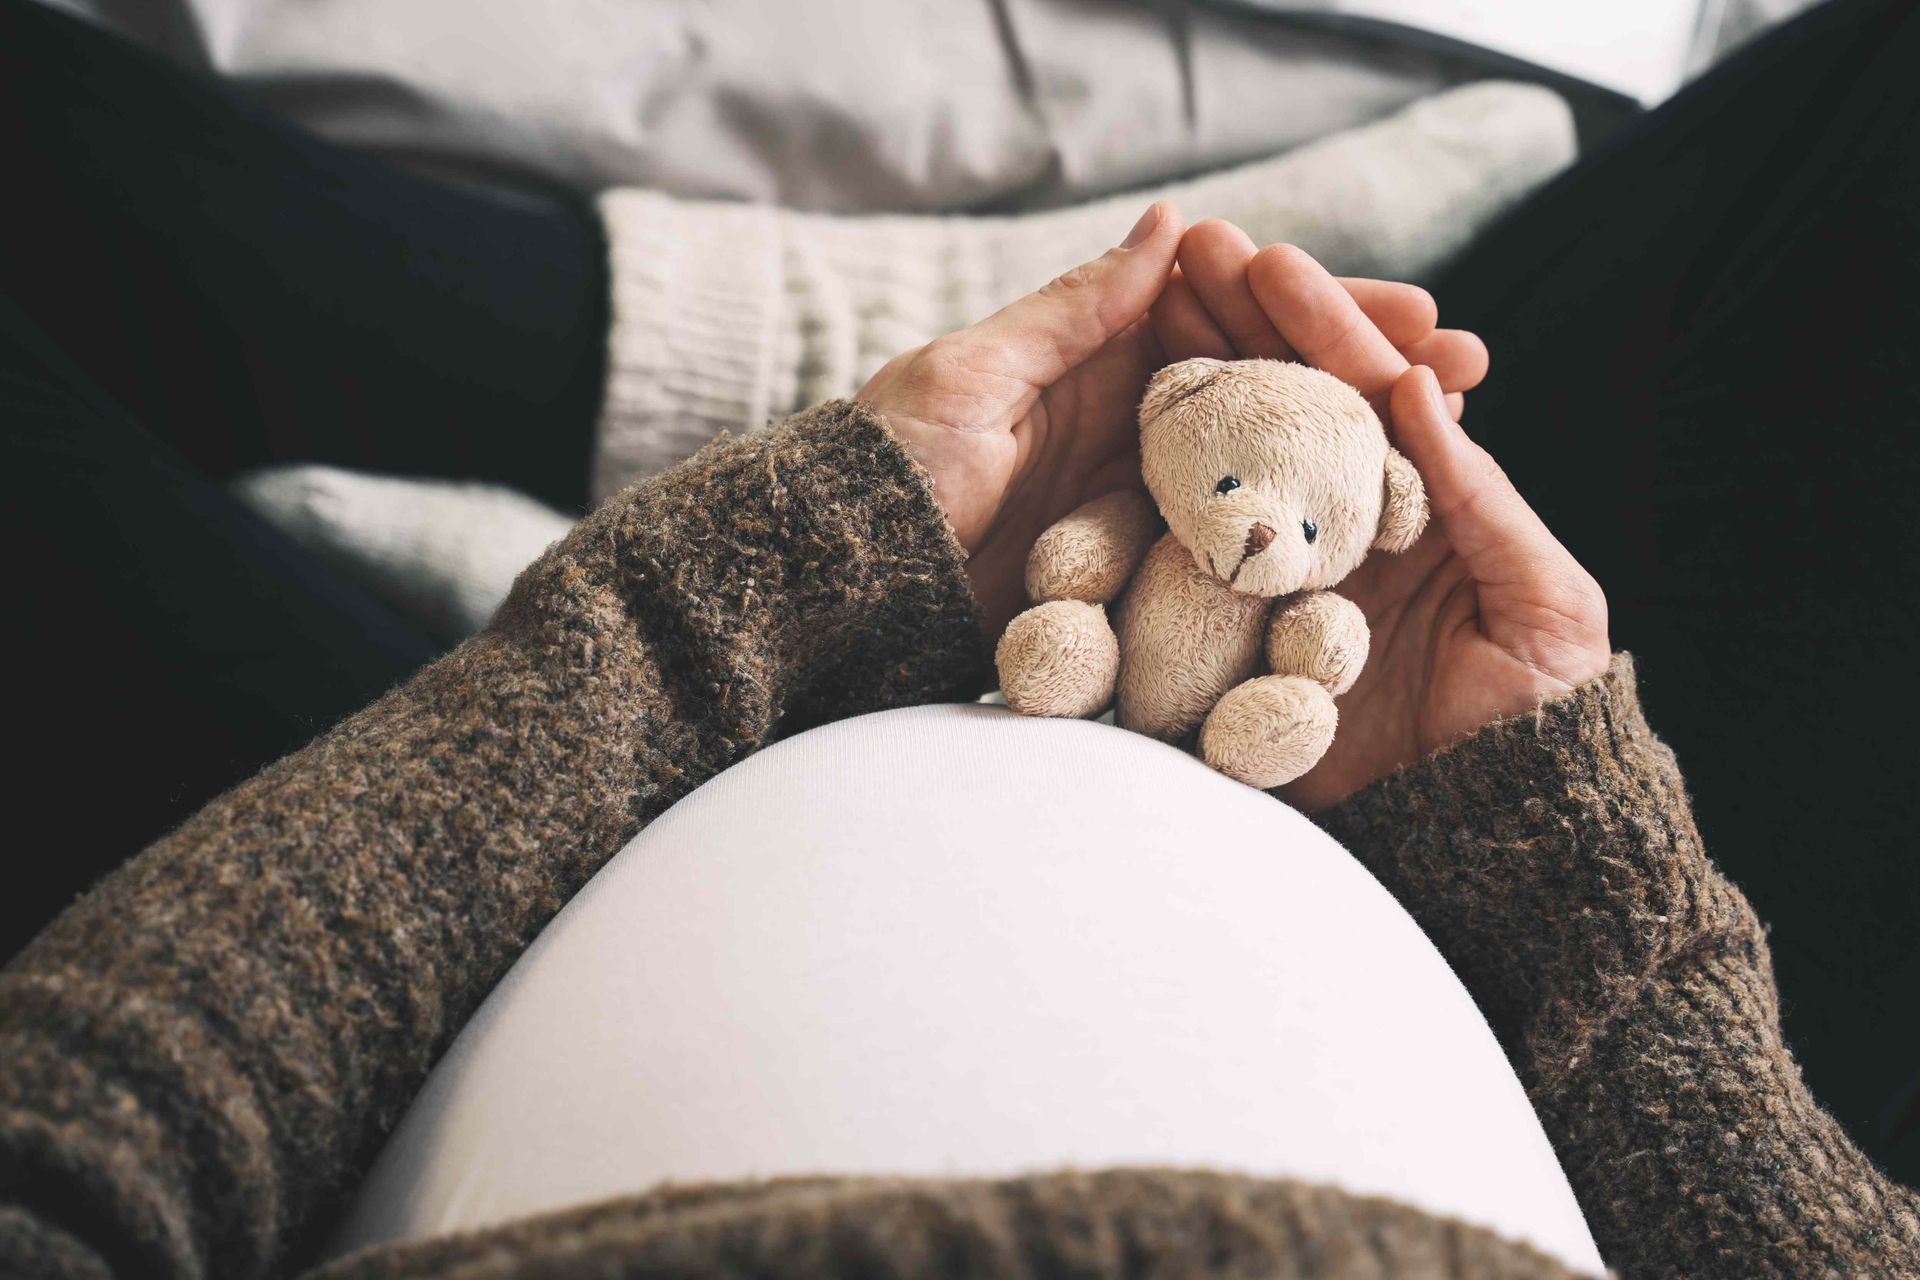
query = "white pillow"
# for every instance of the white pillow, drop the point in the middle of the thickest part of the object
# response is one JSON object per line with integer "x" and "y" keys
{"x": 850, "y": 105}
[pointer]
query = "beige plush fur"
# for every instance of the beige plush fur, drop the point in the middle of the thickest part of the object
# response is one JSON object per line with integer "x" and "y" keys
{"x": 1061, "y": 659}
{"x": 1091, "y": 553}
{"x": 1275, "y": 481}
{"x": 1185, "y": 639}
{"x": 1319, "y": 635}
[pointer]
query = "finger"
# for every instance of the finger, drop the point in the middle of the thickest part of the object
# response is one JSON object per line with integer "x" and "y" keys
{"x": 1531, "y": 597}
{"x": 1041, "y": 336}
{"x": 1487, "y": 523}
{"x": 1405, "y": 313}
{"x": 1457, "y": 358}
{"x": 1183, "y": 325}
{"x": 1321, "y": 321}
{"x": 1214, "y": 257}
{"x": 1456, "y": 405}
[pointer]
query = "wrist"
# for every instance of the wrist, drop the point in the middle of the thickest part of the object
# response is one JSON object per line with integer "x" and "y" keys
{"x": 1546, "y": 854}
{"x": 807, "y": 565}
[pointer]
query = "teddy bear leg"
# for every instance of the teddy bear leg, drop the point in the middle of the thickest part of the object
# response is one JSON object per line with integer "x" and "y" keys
{"x": 1059, "y": 659}
{"x": 1269, "y": 730}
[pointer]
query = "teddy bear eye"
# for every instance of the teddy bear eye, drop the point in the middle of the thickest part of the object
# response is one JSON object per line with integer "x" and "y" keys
{"x": 1310, "y": 529}
{"x": 1227, "y": 484}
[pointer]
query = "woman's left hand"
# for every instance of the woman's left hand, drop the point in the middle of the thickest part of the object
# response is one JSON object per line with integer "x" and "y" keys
{"x": 1030, "y": 413}
{"x": 1487, "y": 614}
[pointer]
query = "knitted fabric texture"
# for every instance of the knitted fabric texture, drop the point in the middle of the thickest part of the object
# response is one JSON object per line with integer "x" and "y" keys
{"x": 728, "y": 314}
{"x": 1554, "y": 861}
{"x": 203, "y": 1053}
{"x": 1099, "y": 1226}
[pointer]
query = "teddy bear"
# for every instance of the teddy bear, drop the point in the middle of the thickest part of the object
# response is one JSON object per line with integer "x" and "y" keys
{"x": 1270, "y": 482}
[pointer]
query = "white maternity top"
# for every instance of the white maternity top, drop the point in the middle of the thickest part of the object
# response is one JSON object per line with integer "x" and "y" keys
{"x": 952, "y": 941}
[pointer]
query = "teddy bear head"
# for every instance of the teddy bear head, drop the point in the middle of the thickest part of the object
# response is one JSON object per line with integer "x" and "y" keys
{"x": 1276, "y": 477}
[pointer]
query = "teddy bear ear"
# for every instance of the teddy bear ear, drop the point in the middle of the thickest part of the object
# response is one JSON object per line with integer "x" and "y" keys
{"x": 1174, "y": 383}
{"x": 1403, "y": 513}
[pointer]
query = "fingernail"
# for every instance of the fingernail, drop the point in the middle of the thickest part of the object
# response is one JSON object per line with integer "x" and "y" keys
{"x": 1143, "y": 228}
{"x": 1435, "y": 397}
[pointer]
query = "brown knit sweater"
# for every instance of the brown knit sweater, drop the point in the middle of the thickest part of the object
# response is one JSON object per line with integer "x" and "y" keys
{"x": 198, "y": 1059}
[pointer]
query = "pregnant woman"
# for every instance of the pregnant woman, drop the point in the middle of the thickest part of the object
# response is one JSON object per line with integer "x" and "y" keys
{"x": 936, "y": 991}
{"x": 202, "y": 1051}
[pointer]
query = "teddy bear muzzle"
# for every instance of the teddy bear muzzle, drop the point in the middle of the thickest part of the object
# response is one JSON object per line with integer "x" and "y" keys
{"x": 1264, "y": 565}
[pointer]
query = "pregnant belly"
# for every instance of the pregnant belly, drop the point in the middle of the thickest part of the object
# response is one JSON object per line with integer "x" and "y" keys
{"x": 950, "y": 940}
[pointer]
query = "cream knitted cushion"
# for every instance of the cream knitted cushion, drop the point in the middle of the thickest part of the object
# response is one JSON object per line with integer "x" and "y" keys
{"x": 728, "y": 316}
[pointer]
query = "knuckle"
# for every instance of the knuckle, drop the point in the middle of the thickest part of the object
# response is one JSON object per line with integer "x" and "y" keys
{"x": 935, "y": 365}
{"x": 1592, "y": 598}
{"x": 1484, "y": 486}
{"x": 943, "y": 355}
{"x": 1572, "y": 592}
{"x": 1488, "y": 474}
{"x": 1339, "y": 331}
{"x": 1072, "y": 280}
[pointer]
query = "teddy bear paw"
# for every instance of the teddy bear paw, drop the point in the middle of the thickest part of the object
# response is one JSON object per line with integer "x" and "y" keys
{"x": 1270, "y": 730}
{"x": 1059, "y": 659}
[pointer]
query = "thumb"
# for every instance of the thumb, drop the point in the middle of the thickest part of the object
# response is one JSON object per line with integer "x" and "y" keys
{"x": 1040, "y": 337}
{"x": 1486, "y": 521}
{"x": 1533, "y": 598}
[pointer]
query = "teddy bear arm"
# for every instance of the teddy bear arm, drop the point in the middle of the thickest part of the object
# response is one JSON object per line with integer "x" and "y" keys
{"x": 1319, "y": 635}
{"x": 1092, "y": 552}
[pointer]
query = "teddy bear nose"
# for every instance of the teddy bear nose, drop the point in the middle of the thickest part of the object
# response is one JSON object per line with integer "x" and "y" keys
{"x": 1259, "y": 538}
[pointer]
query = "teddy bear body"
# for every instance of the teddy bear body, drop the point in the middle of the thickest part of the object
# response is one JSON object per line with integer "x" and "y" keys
{"x": 1271, "y": 482}
{"x": 1173, "y": 676}
{"x": 1170, "y": 678}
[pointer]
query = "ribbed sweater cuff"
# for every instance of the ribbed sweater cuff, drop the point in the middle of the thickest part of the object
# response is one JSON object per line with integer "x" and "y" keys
{"x": 198, "y": 1052}
{"x": 805, "y": 572}
{"x": 1552, "y": 857}
{"x": 697, "y": 316}
{"x": 1101, "y": 1225}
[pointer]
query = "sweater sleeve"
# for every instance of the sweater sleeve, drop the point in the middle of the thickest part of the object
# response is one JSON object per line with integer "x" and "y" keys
{"x": 202, "y": 1051}
{"x": 1554, "y": 861}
